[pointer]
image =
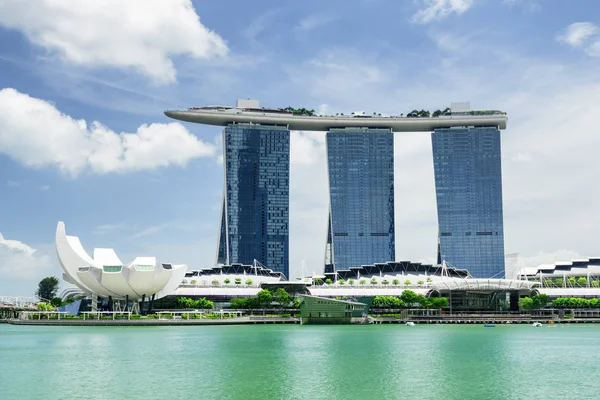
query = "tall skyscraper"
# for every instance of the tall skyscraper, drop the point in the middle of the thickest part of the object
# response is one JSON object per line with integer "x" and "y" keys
{"x": 468, "y": 180}
{"x": 255, "y": 211}
{"x": 361, "y": 192}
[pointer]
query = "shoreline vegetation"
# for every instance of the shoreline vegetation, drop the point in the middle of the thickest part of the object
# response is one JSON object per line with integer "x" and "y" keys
{"x": 281, "y": 307}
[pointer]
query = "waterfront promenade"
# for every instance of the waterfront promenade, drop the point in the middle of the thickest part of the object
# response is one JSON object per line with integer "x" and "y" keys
{"x": 249, "y": 320}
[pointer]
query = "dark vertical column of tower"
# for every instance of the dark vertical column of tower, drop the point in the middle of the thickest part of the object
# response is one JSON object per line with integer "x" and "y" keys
{"x": 255, "y": 216}
{"x": 361, "y": 192}
{"x": 468, "y": 180}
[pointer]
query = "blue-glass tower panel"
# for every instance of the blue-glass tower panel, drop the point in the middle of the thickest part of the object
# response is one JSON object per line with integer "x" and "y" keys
{"x": 468, "y": 181}
{"x": 361, "y": 192}
{"x": 255, "y": 216}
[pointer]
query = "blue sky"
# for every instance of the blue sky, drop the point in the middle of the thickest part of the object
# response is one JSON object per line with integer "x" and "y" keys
{"x": 83, "y": 138}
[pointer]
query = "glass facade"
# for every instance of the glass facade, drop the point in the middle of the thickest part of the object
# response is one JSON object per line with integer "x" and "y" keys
{"x": 361, "y": 192}
{"x": 255, "y": 210}
{"x": 468, "y": 180}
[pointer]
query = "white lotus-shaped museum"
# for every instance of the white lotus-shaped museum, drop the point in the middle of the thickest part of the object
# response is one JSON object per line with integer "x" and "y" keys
{"x": 106, "y": 276}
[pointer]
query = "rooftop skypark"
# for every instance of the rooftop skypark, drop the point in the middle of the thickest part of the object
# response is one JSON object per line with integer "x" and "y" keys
{"x": 250, "y": 112}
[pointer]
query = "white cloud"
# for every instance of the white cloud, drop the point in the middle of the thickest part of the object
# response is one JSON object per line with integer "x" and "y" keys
{"x": 259, "y": 24}
{"x": 585, "y": 35}
{"x": 594, "y": 49}
{"x": 526, "y": 5}
{"x": 21, "y": 265}
{"x": 309, "y": 197}
{"x": 549, "y": 258}
{"x": 35, "y": 133}
{"x": 16, "y": 246}
{"x": 138, "y": 34}
{"x": 13, "y": 184}
{"x": 314, "y": 21}
{"x": 435, "y": 10}
{"x": 146, "y": 232}
{"x": 107, "y": 228}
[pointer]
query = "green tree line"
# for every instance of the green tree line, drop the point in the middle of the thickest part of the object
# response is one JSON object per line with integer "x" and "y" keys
{"x": 409, "y": 299}
{"x": 265, "y": 299}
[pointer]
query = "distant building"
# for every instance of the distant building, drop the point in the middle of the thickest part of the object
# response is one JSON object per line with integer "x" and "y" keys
{"x": 468, "y": 180}
{"x": 255, "y": 209}
{"x": 361, "y": 191}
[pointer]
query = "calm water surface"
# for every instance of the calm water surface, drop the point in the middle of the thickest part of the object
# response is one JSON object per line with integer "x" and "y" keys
{"x": 300, "y": 362}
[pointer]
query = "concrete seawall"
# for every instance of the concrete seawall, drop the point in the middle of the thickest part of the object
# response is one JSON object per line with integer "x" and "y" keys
{"x": 154, "y": 322}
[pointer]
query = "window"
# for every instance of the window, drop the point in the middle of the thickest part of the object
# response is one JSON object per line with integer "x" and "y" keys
{"x": 112, "y": 268}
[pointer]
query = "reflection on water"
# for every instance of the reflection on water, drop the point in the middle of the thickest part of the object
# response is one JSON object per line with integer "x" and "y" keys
{"x": 300, "y": 362}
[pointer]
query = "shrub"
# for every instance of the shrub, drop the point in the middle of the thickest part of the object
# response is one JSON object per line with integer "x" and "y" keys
{"x": 328, "y": 281}
{"x": 351, "y": 282}
{"x": 227, "y": 280}
{"x": 44, "y": 306}
{"x": 193, "y": 281}
{"x": 238, "y": 281}
{"x": 215, "y": 282}
{"x": 56, "y": 302}
{"x": 384, "y": 282}
{"x": 202, "y": 303}
{"x": 362, "y": 281}
{"x": 373, "y": 281}
{"x": 407, "y": 282}
{"x": 420, "y": 283}
{"x": 341, "y": 282}
{"x": 396, "y": 282}
{"x": 248, "y": 282}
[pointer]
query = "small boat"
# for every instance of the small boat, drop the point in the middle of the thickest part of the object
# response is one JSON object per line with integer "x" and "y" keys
{"x": 536, "y": 324}
{"x": 410, "y": 323}
{"x": 489, "y": 325}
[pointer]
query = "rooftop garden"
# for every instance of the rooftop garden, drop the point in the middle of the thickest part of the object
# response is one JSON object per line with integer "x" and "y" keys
{"x": 413, "y": 114}
{"x": 299, "y": 111}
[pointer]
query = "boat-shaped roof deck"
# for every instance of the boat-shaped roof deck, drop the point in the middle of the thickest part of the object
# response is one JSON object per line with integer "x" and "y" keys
{"x": 223, "y": 116}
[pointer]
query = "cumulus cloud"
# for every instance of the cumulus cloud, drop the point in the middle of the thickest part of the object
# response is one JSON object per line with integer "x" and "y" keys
{"x": 138, "y": 34}
{"x": 435, "y": 10}
{"x": 37, "y": 134}
{"x": 584, "y": 35}
{"x": 20, "y": 265}
{"x": 577, "y": 33}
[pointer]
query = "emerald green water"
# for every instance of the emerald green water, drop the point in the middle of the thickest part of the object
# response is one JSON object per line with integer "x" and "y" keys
{"x": 300, "y": 362}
